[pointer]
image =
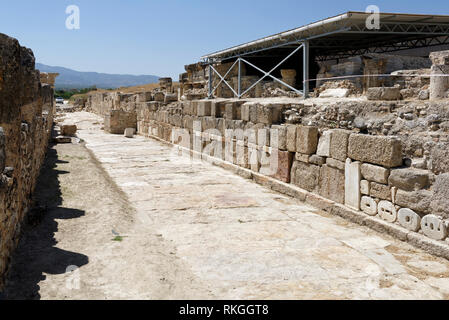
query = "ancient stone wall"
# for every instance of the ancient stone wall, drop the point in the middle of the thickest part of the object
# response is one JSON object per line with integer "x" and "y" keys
{"x": 26, "y": 118}
{"x": 401, "y": 178}
{"x": 383, "y": 157}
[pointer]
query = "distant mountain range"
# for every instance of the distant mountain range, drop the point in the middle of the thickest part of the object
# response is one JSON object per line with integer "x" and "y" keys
{"x": 71, "y": 79}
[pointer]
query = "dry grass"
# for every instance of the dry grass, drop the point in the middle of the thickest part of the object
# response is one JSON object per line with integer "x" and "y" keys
{"x": 140, "y": 88}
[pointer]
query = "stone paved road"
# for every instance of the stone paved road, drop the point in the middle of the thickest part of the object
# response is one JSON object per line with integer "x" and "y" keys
{"x": 228, "y": 238}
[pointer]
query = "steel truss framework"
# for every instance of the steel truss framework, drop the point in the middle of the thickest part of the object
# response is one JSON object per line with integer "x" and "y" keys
{"x": 239, "y": 93}
{"x": 336, "y": 38}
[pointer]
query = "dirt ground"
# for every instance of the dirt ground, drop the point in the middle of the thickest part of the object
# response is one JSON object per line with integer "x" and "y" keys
{"x": 78, "y": 226}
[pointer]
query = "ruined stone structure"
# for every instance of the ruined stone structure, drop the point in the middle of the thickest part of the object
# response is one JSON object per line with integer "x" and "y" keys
{"x": 26, "y": 118}
{"x": 384, "y": 159}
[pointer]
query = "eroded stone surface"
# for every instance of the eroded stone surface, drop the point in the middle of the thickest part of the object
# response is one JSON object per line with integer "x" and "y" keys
{"x": 384, "y": 151}
{"x": 387, "y": 211}
{"x": 368, "y": 205}
{"x": 409, "y": 219}
{"x": 434, "y": 227}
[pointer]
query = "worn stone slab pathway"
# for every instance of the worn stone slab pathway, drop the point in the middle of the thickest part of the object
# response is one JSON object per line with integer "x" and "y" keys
{"x": 196, "y": 231}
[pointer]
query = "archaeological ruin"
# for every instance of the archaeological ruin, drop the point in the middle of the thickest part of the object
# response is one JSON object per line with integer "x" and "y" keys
{"x": 26, "y": 120}
{"x": 369, "y": 143}
{"x": 350, "y": 120}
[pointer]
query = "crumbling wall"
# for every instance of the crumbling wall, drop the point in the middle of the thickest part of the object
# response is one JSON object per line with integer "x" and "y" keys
{"x": 119, "y": 109}
{"x": 26, "y": 118}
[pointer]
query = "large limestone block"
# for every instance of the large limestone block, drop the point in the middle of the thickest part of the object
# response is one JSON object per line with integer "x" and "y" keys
{"x": 307, "y": 176}
{"x": 231, "y": 111}
{"x": 204, "y": 108}
{"x": 306, "y": 139}
{"x": 266, "y": 114}
{"x": 68, "y": 130}
{"x": 383, "y": 93}
{"x": 440, "y": 158}
{"x": 409, "y": 219}
{"x": 291, "y": 137}
{"x": 381, "y": 191}
{"x": 384, "y": 151}
{"x": 419, "y": 201}
{"x": 332, "y": 184}
{"x": 375, "y": 173}
{"x": 440, "y": 197}
{"x": 280, "y": 165}
{"x": 339, "y": 144}
{"x": 129, "y": 132}
{"x": 245, "y": 112}
{"x": 434, "y": 227}
{"x": 352, "y": 184}
{"x": 335, "y": 93}
{"x": 409, "y": 179}
{"x": 278, "y": 137}
{"x": 324, "y": 144}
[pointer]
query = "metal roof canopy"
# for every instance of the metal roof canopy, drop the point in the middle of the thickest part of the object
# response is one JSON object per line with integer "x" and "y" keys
{"x": 347, "y": 35}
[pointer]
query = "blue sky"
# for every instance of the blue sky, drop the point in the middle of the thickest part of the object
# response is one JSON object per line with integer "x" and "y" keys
{"x": 160, "y": 36}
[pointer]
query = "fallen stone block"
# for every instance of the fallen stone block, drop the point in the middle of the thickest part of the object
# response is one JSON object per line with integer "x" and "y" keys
{"x": 409, "y": 219}
{"x": 335, "y": 93}
{"x": 384, "y": 151}
{"x": 434, "y": 227}
{"x": 383, "y": 93}
{"x": 68, "y": 130}
{"x": 129, "y": 132}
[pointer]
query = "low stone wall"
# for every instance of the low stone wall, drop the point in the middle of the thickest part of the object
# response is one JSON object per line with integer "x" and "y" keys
{"x": 26, "y": 118}
{"x": 369, "y": 173}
